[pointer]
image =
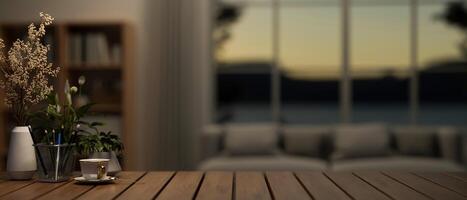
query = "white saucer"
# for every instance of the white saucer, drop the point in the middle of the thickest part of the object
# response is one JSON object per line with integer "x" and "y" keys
{"x": 107, "y": 179}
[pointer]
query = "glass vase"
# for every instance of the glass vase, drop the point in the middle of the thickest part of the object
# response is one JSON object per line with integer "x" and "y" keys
{"x": 55, "y": 162}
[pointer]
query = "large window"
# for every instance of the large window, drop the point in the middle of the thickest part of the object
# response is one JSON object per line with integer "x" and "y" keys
{"x": 443, "y": 68}
{"x": 309, "y": 62}
{"x": 244, "y": 63}
{"x": 329, "y": 61}
{"x": 379, "y": 54}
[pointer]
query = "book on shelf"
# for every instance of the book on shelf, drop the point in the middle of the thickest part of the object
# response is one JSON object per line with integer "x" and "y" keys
{"x": 76, "y": 49}
{"x": 116, "y": 54}
{"x": 90, "y": 56}
{"x": 102, "y": 45}
{"x": 93, "y": 49}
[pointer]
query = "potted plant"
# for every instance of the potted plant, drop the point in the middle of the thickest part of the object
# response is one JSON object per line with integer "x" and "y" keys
{"x": 25, "y": 74}
{"x": 94, "y": 143}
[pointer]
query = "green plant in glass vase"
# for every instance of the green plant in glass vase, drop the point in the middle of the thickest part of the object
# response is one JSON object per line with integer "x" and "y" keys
{"x": 56, "y": 128}
{"x": 61, "y": 123}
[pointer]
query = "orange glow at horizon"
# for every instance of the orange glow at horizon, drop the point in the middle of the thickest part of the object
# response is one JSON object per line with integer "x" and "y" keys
{"x": 310, "y": 38}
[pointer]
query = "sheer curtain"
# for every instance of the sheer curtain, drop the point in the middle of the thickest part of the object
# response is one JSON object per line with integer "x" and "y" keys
{"x": 178, "y": 81}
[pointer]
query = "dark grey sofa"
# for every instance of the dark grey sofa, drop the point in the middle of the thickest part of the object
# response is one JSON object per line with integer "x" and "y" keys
{"x": 337, "y": 147}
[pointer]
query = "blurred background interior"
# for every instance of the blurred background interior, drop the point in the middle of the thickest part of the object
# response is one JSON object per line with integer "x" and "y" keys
{"x": 265, "y": 84}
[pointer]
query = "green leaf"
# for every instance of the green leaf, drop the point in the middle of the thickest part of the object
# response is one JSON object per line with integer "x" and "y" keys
{"x": 81, "y": 111}
{"x": 94, "y": 124}
{"x": 52, "y": 98}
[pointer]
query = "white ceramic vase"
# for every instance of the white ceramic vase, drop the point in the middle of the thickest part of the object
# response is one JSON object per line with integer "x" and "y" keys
{"x": 21, "y": 160}
{"x": 114, "y": 165}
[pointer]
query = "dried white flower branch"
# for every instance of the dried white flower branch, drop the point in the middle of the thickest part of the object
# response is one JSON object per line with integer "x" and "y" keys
{"x": 26, "y": 70}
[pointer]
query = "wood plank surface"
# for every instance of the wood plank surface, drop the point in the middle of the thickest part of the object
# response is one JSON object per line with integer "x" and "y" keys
{"x": 251, "y": 185}
{"x": 246, "y": 185}
{"x": 320, "y": 187}
{"x": 32, "y": 191}
{"x": 10, "y": 186}
{"x": 148, "y": 186}
{"x": 389, "y": 186}
{"x": 284, "y": 185}
{"x": 184, "y": 185}
{"x": 446, "y": 181}
{"x": 110, "y": 191}
{"x": 459, "y": 175}
{"x": 216, "y": 185}
{"x": 424, "y": 186}
{"x": 355, "y": 187}
{"x": 69, "y": 191}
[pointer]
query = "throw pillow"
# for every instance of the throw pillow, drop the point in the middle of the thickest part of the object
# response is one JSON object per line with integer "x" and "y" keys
{"x": 307, "y": 141}
{"x": 361, "y": 140}
{"x": 416, "y": 141}
{"x": 251, "y": 139}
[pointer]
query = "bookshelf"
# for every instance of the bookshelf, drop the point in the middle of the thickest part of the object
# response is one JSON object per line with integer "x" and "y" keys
{"x": 99, "y": 51}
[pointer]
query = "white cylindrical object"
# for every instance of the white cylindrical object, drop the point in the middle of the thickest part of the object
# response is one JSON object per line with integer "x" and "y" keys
{"x": 21, "y": 160}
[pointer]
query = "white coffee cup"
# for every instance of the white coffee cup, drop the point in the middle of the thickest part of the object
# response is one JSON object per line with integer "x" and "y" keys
{"x": 94, "y": 168}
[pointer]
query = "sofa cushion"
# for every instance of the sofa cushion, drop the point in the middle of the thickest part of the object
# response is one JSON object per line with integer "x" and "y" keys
{"x": 397, "y": 163}
{"x": 361, "y": 140}
{"x": 305, "y": 140}
{"x": 251, "y": 139}
{"x": 271, "y": 162}
{"x": 416, "y": 141}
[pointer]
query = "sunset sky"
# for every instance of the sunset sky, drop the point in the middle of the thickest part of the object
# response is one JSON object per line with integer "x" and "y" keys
{"x": 310, "y": 38}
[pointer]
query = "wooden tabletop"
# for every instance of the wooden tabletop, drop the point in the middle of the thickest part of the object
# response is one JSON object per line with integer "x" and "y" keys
{"x": 252, "y": 185}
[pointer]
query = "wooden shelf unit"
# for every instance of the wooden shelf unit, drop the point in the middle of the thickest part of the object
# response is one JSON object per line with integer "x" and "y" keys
{"x": 110, "y": 85}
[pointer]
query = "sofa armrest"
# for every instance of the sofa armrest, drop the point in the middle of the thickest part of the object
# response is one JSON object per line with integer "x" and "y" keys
{"x": 464, "y": 150}
{"x": 211, "y": 141}
{"x": 450, "y": 144}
